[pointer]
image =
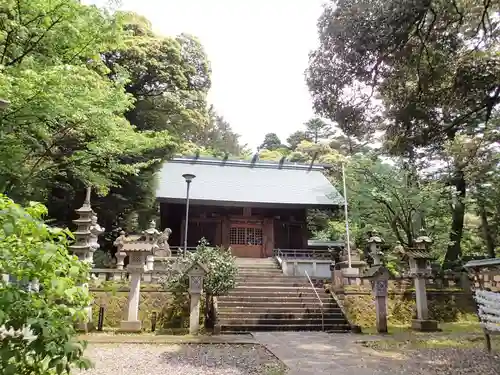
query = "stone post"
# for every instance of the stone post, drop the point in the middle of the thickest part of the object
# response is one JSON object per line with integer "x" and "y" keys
{"x": 83, "y": 249}
{"x": 137, "y": 248}
{"x": 379, "y": 277}
{"x": 196, "y": 273}
{"x": 135, "y": 268}
{"x": 420, "y": 269}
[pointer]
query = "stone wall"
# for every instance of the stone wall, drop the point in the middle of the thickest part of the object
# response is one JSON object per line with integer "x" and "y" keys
{"x": 450, "y": 299}
{"x": 115, "y": 302}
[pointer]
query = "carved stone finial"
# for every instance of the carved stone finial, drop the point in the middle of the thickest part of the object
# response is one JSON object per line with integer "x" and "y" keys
{"x": 163, "y": 249}
{"x": 399, "y": 249}
{"x": 87, "y": 196}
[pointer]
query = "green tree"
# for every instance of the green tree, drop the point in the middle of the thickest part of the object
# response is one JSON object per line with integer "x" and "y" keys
{"x": 271, "y": 142}
{"x": 221, "y": 277}
{"x": 296, "y": 137}
{"x": 66, "y": 118}
{"x": 219, "y": 136}
{"x": 317, "y": 130}
{"x": 37, "y": 334}
{"x": 433, "y": 66}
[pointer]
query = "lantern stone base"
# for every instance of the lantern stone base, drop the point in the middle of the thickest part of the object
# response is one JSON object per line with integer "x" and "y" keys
{"x": 424, "y": 325}
{"x": 85, "y": 327}
{"x": 130, "y": 326}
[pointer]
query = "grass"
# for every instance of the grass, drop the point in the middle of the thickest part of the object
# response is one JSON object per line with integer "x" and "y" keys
{"x": 463, "y": 334}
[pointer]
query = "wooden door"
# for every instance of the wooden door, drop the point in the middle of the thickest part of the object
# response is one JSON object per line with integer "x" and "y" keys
{"x": 246, "y": 240}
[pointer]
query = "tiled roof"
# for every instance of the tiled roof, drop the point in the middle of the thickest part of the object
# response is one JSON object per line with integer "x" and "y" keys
{"x": 417, "y": 254}
{"x": 237, "y": 182}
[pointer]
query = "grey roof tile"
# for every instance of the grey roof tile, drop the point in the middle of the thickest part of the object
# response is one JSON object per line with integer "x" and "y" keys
{"x": 233, "y": 182}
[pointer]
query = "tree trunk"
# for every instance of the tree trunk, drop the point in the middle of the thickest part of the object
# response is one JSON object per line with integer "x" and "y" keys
{"x": 488, "y": 238}
{"x": 454, "y": 250}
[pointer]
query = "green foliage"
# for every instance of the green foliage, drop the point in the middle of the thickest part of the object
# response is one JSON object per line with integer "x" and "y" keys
{"x": 66, "y": 119}
{"x": 271, "y": 142}
{"x": 30, "y": 251}
{"x": 220, "y": 263}
{"x": 433, "y": 68}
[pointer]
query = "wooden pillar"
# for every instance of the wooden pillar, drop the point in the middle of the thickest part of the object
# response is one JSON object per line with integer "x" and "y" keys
{"x": 268, "y": 237}
{"x": 225, "y": 227}
{"x": 163, "y": 215}
{"x": 305, "y": 235}
{"x": 218, "y": 233}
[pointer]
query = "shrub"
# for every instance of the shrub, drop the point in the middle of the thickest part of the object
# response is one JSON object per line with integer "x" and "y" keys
{"x": 220, "y": 263}
{"x": 221, "y": 278}
{"x": 37, "y": 326}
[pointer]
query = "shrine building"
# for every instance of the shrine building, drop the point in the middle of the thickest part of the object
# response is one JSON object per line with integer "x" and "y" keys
{"x": 251, "y": 206}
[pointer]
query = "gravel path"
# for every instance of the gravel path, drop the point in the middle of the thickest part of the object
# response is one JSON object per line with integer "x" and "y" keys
{"x": 448, "y": 361}
{"x": 185, "y": 359}
{"x": 345, "y": 358}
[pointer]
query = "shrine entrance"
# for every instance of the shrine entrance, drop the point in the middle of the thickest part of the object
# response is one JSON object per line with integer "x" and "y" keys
{"x": 245, "y": 240}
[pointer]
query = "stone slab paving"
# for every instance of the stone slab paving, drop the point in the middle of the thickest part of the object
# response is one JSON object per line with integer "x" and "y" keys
{"x": 320, "y": 353}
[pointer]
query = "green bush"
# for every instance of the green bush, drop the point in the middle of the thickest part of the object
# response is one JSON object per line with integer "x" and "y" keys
{"x": 221, "y": 278}
{"x": 37, "y": 327}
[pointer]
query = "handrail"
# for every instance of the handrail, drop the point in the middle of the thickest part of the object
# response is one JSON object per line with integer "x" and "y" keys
{"x": 320, "y": 302}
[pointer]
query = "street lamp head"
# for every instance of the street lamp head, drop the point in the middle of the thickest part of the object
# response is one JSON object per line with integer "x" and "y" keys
{"x": 4, "y": 103}
{"x": 188, "y": 177}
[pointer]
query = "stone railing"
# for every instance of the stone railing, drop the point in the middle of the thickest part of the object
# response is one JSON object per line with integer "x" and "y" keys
{"x": 458, "y": 280}
{"x": 101, "y": 275}
{"x": 302, "y": 253}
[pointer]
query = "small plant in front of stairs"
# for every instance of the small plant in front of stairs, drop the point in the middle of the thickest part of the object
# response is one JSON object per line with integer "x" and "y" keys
{"x": 220, "y": 279}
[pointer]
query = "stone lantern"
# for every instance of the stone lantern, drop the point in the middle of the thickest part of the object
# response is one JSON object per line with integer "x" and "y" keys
{"x": 86, "y": 236}
{"x": 379, "y": 278}
{"x": 375, "y": 246}
{"x": 82, "y": 247}
{"x": 420, "y": 268}
{"x": 137, "y": 248}
{"x": 196, "y": 273}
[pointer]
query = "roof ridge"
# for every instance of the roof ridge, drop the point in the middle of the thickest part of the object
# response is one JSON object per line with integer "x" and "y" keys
{"x": 265, "y": 164}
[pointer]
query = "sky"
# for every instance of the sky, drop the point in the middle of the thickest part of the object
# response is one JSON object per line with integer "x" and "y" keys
{"x": 258, "y": 51}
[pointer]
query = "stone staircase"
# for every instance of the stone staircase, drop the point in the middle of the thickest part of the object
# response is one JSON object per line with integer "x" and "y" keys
{"x": 266, "y": 300}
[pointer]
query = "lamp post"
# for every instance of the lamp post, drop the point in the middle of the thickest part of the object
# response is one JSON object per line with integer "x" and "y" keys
{"x": 189, "y": 178}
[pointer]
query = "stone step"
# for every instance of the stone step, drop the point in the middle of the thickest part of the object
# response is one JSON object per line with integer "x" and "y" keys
{"x": 282, "y": 327}
{"x": 280, "y": 321}
{"x": 303, "y": 314}
{"x": 275, "y": 293}
{"x": 263, "y": 308}
{"x": 275, "y": 301}
{"x": 260, "y": 277}
{"x": 272, "y": 284}
{"x": 292, "y": 303}
{"x": 259, "y": 271}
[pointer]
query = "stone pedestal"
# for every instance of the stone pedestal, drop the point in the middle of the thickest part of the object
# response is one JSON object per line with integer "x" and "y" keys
{"x": 381, "y": 305}
{"x": 196, "y": 273}
{"x": 132, "y": 323}
{"x": 357, "y": 265}
{"x": 138, "y": 248}
{"x": 420, "y": 268}
{"x": 194, "y": 314}
{"x": 422, "y": 323}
